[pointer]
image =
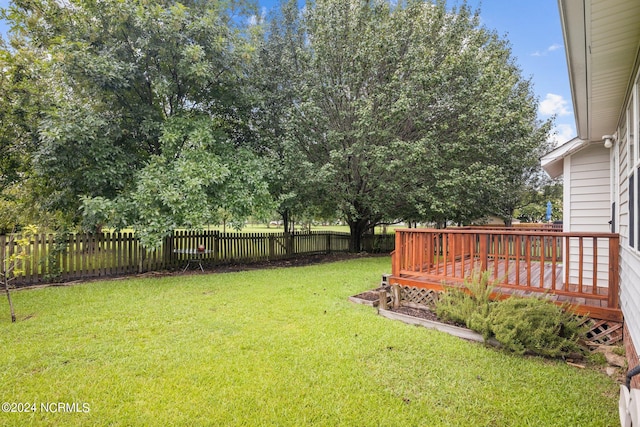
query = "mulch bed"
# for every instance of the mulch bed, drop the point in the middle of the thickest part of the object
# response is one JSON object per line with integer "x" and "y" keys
{"x": 421, "y": 313}
{"x": 298, "y": 261}
{"x": 369, "y": 295}
{"x": 425, "y": 313}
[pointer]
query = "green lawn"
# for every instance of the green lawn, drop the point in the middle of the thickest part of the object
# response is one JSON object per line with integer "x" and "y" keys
{"x": 269, "y": 347}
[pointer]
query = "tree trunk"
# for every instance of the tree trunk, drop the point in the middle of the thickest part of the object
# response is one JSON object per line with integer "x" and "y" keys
{"x": 5, "y": 280}
{"x": 356, "y": 230}
{"x": 285, "y": 220}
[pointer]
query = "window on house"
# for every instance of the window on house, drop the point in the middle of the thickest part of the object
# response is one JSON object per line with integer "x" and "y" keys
{"x": 630, "y": 132}
{"x": 631, "y": 137}
{"x": 636, "y": 120}
{"x": 632, "y": 219}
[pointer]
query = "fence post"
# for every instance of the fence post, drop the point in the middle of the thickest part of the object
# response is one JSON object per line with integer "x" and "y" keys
{"x": 328, "y": 237}
{"x": 141, "y": 253}
{"x": 3, "y": 252}
{"x": 272, "y": 247}
{"x": 288, "y": 237}
{"x": 216, "y": 246}
{"x": 168, "y": 250}
{"x": 397, "y": 255}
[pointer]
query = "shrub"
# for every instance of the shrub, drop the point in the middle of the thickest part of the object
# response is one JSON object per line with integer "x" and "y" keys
{"x": 536, "y": 326}
{"x": 470, "y": 305}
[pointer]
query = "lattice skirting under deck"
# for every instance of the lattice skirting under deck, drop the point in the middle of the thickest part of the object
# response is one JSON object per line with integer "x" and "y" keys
{"x": 599, "y": 332}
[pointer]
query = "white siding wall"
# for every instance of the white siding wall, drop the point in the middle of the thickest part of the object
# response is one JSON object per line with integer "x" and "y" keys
{"x": 629, "y": 259}
{"x": 589, "y": 190}
{"x": 630, "y": 292}
{"x": 588, "y": 208}
{"x": 623, "y": 195}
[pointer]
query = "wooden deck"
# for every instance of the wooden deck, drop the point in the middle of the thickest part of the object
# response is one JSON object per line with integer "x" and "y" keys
{"x": 570, "y": 268}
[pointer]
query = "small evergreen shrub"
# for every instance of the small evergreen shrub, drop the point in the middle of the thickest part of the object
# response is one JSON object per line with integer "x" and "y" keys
{"x": 535, "y": 326}
{"x": 470, "y": 305}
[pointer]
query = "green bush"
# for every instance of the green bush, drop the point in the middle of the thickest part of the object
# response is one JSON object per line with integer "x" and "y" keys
{"x": 535, "y": 326}
{"x": 470, "y": 305}
{"x": 521, "y": 325}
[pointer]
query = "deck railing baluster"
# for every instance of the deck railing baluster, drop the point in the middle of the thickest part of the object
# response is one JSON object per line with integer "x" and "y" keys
{"x": 580, "y": 263}
{"x": 595, "y": 267}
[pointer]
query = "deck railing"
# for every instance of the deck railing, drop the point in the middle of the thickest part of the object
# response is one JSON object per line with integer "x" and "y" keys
{"x": 574, "y": 266}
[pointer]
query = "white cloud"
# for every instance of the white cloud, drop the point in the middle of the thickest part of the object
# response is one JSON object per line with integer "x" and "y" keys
{"x": 554, "y": 104}
{"x": 562, "y": 133}
{"x": 551, "y": 48}
{"x": 255, "y": 19}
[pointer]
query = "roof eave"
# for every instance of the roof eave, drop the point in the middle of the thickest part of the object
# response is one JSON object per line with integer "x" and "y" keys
{"x": 574, "y": 31}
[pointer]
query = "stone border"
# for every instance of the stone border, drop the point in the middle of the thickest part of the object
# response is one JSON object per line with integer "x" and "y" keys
{"x": 363, "y": 301}
{"x": 456, "y": 331}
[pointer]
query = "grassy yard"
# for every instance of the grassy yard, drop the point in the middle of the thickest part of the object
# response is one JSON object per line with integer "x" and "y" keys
{"x": 268, "y": 347}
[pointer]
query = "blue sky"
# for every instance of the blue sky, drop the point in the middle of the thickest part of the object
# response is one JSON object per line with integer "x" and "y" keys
{"x": 533, "y": 29}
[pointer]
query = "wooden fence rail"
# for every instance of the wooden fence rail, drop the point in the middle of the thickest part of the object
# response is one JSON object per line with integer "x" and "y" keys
{"x": 54, "y": 258}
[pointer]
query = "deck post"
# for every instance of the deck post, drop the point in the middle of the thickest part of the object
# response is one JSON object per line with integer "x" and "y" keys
{"x": 382, "y": 295}
{"x": 397, "y": 254}
{"x": 483, "y": 251}
{"x": 614, "y": 249}
{"x": 395, "y": 289}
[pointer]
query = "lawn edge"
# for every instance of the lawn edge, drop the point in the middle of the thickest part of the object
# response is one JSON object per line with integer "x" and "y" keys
{"x": 456, "y": 331}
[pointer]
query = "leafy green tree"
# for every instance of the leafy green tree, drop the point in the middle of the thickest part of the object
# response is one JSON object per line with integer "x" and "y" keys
{"x": 534, "y": 201}
{"x": 474, "y": 117}
{"x": 410, "y": 111}
{"x": 150, "y": 116}
{"x": 276, "y": 84}
{"x": 14, "y": 261}
{"x": 340, "y": 121}
{"x": 23, "y": 101}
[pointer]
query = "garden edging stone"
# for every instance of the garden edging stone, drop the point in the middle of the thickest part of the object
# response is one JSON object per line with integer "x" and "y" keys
{"x": 457, "y": 331}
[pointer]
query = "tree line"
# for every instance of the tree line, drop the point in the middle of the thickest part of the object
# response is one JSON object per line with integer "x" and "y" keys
{"x": 155, "y": 115}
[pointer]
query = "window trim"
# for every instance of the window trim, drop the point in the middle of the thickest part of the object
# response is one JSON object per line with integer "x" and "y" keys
{"x": 631, "y": 127}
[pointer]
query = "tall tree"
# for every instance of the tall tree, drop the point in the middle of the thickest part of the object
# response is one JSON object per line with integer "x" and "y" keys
{"x": 340, "y": 123}
{"x": 275, "y": 85}
{"x": 473, "y": 115}
{"x": 411, "y": 111}
{"x": 149, "y": 108}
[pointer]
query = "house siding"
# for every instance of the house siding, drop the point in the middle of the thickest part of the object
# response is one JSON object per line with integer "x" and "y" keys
{"x": 629, "y": 292}
{"x": 629, "y": 258}
{"x": 623, "y": 194}
{"x": 590, "y": 189}
{"x": 588, "y": 208}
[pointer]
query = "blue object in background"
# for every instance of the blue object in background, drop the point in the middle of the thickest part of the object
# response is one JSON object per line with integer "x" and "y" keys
{"x": 548, "y": 211}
